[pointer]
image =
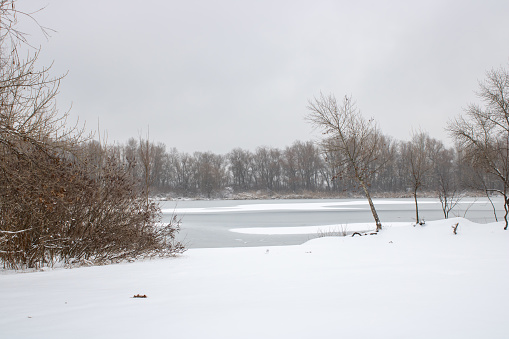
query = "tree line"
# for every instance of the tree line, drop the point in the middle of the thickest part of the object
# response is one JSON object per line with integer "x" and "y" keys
{"x": 301, "y": 168}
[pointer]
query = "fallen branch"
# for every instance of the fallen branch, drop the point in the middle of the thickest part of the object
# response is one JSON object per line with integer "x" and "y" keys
{"x": 15, "y": 232}
{"x": 455, "y": 228}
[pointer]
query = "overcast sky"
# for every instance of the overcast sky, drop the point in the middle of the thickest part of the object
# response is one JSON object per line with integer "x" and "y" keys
{"x": 215, "y": 75}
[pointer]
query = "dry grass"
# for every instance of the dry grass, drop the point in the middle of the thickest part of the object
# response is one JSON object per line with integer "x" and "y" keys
{"x": 334, "y": 231}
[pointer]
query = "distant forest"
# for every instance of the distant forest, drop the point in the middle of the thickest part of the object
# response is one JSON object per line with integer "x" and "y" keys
{"x": 302, "y": 169}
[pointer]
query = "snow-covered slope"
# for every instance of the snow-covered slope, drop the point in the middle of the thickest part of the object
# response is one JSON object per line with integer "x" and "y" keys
{"x": 405, "y": 282}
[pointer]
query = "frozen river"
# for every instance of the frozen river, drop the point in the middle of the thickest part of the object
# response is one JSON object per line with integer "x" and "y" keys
{"x": 210, "y": 223}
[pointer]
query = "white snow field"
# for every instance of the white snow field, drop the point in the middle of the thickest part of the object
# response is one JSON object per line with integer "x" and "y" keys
{"x": 405, "y": 282}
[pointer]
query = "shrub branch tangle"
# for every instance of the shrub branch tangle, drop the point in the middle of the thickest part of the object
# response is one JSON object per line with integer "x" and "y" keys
{"x": 60, "y": 198}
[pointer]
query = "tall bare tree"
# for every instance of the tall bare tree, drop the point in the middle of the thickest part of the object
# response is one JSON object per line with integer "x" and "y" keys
{"x": 240, "y": 167}
{"x": 356, "y": 141}
{"x": 418, "y": 157}
{"x": 444, "y": 178}
{"x": 210, "y": 172}
{"x": 267, "y": 168}
{"x": 483, "y": 132}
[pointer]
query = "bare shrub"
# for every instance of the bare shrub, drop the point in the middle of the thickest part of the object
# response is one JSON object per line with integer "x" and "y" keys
{"x": 334, "y": 231}
{"x": 62, "y": 198}
{"x": 55, "y": 209}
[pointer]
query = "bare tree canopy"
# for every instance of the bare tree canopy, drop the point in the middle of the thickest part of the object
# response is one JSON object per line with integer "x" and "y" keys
{"x": 357, "y": 143}
{"x": 27, "y": 93}
{"x": 418, "y": 157}
{"x": 483, "y": 132}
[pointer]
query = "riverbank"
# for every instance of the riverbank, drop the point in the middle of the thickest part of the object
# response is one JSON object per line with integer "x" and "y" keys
{"x": 271, "y": 195}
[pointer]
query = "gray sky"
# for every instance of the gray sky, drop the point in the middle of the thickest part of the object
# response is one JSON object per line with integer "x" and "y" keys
{"x": 215, "y": 75}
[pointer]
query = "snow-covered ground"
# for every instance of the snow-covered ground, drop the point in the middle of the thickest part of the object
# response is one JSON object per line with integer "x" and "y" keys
{"x": 405, "y": 282}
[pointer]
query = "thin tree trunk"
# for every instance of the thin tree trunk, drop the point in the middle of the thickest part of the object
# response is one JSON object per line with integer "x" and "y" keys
{"x": 443, "y": 203}
{"x": 506, "y": 208}
{"x": 486, "y": 191}
{"x": 491, "y": 202}
{"x": 416, "y": 208}
{"x": 372, "y": 206}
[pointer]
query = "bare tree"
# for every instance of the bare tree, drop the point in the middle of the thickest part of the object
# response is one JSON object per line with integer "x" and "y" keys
{"x": 483, "y": 133}
{"x": 267, "y": 168}
{"x": 308, "y": 161}
{"x": 300, "y": 165}
{"x": 27, "y": 94}
{"x": 390, "y": 180}
{"x": 240, "y": 167}
{"x": 356, "y": 141}
{"x": 290, "y": 168}
{"x": 445, "y": 180}
{"x": 146, "y": 153}
{"x": 210, "y": 172}
{"x": 418, "y": 157}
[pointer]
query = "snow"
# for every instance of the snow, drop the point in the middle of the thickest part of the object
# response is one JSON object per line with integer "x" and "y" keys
{"x": 322, "y": 229}
{"x": 292, "y": 206}
{"x": 405, "y": 282}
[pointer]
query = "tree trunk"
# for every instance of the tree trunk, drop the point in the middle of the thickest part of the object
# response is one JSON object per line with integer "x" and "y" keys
{"x": 506, "y": 208}
{"x": 491, "y": 202}
{"x": 372, "y": 206}
{"x": 416, "y": 208}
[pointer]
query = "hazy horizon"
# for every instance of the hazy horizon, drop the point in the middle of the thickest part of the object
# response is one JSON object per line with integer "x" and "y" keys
{"x": 205, "y": 76}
